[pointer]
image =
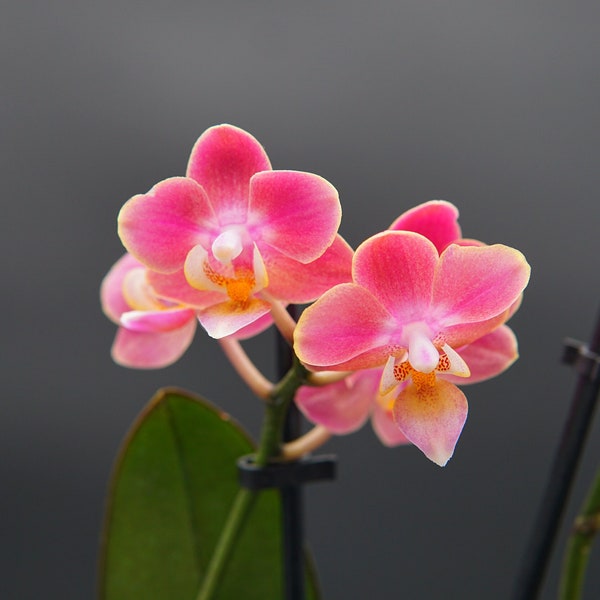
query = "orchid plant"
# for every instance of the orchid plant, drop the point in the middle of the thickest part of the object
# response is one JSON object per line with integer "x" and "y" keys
{"x": 392, "y": 329}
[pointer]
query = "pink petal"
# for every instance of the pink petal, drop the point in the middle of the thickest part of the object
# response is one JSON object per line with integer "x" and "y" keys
{"x": 151, "y": 350}
{"x": 469, "y": 242}
{"x": 464, "y": 334}
{"x": 347, "y": 321}
{"x": 369, "y": 359}
{"x": 160, "y": 227}
{"x": 397, "y": 267}
{"x": 514, "y": 307}
{"x": 488, "y": 356}
{"x": 226, "y": 319}
{"x": 160, "y": 320}
{"x": 298, "y": 214}
{"x": 432, "y": 421}
{"x": 341, "y": 407}
{"x": 256, "y": 327}
{"x": 474, "y": 284}
{"x": 436, "y": 220}
{"x": 222, "y": 161}
{"x": 299, "y": 283}
{"x": 385, "y": 427}
{"x": 175, "y": 287}
{"x": 111, "y": 290}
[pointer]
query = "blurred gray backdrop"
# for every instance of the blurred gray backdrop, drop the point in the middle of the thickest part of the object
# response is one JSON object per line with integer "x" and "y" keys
{"x": 492, "y": 105}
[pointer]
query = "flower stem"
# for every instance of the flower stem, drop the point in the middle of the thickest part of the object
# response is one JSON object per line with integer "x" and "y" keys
{"x": 586, "y": 527}
{"x": 310, "y": 441}
{"x": 276, "y": 407}
{"x": 282, "y": 318}
{"x": 245, "y": 368}
{"x": 241, "y": 508}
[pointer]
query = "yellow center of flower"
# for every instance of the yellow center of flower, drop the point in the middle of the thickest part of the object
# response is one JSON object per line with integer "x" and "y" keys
{"x": 239, "y": 288}
{"x": 241, "y": 278}
{"x": 425, "y": 385}
{"x": 423, "y": 382}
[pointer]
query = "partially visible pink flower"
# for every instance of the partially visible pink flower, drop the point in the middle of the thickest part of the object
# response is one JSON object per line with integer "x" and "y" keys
{"x": 344, "y": 406}
{"x": 412, "y": 310}
{"x": 152, "y": 333}
{"x": 237, "y": 227}
{"x": 155, "y": 330}
{"x": 437, "y": 220}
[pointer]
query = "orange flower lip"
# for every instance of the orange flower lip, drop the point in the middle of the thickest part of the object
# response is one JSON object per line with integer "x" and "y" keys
{"x": 240, "y": 289}
{"x": 238, "y": 281}
{"x": 449, "y": 362}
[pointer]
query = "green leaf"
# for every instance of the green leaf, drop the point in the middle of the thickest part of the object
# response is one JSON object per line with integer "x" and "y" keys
{"x": 171, "y": 491}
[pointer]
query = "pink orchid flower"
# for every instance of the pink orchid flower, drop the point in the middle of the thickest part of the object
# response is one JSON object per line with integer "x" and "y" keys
{"x": 344, "y": 406}
{"x": 152, "y": 333}
{"x": 239, "y": 228}
{"x": 411, "y": 310}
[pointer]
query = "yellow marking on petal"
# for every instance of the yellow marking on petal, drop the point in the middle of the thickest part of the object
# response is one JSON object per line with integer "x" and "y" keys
{"x": 387, "y": 401}
{"x": 260, "y": 271}
{"x": 425, "y": 384}
{"x": 137, "y": 292}
{"x": 238, "y": 288}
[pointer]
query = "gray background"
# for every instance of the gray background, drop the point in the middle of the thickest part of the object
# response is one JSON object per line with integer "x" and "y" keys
{"x": 489, "y": 104}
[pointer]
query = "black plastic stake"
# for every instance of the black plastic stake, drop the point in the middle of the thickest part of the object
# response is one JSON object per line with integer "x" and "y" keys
{"x": 586, "y": 360}
{"x": 291, "y": 495}
{"x": 289, "y": 477}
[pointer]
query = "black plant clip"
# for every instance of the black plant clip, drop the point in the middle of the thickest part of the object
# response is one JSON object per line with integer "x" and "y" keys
{"x": 584, "y": 361}
{"x": 283, "y": 474}
{"x": 289, "y": 478}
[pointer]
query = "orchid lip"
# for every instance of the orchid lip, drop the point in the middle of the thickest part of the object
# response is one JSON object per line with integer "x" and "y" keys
{"x": 398, "y": 368}
{"x": 238, "y": 281}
